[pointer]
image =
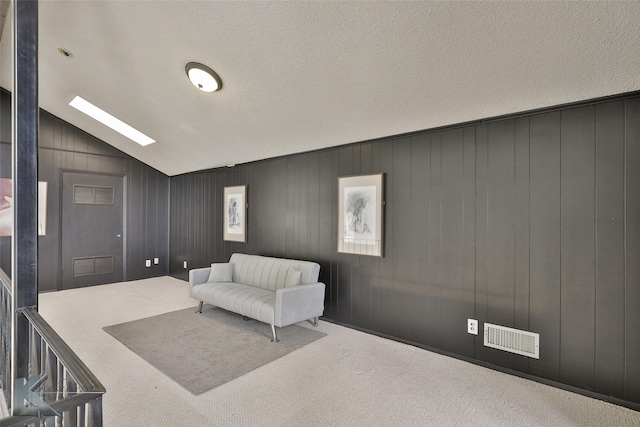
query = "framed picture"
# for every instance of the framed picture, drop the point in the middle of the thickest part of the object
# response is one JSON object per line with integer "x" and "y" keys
{"x": 235, "y": 213}
{"x": 360, "y": 214}
{"x": 6, "y": 207}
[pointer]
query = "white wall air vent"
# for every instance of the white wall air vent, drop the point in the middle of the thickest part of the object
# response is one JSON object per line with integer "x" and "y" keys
{"x": 513, "y": 340}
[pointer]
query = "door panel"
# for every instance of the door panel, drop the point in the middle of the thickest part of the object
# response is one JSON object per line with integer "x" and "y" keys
{"x": 92, "y": 229}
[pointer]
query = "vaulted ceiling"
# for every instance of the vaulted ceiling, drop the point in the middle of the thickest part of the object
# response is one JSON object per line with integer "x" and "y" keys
{"x": 300, "y": 76}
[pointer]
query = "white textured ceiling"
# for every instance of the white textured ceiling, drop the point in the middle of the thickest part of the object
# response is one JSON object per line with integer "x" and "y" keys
{"x": 299, "y": 76}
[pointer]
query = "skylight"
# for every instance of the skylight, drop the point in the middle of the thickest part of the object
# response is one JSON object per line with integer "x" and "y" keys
{"x": 107, "y": 119}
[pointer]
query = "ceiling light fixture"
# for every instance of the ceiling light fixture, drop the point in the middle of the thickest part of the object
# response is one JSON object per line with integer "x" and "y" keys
{"x": 107, "y": 119}
{"x": 65, "y": 52}
{"x": 203, "y": 77}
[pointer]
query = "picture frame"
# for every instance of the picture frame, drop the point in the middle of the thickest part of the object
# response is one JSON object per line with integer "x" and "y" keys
{"x": 361, "y": 214}
{"x": 235, "y": 214}
{"x": 6, "y": 207}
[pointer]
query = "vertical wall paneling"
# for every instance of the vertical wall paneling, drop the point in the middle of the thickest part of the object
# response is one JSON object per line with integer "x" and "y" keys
{"x": 521, "y": 232}
{"x": 224, "y": 180}
{"x": 529, "y": 222}
{"x": 194, "y": 202}
{"x": 300, "y": 206}
{"x": 344, "y": 284}
{"x": 577, "y": 257}
{"x": 469, "y": 236}
{"x": 632, "y": 235}
{"x": 419, "y": 273}
{"x": 135, "y": 233}
{"x": 292, "y": 199}
{"x": 482, "y": 237}
{"x": 303, "y": 191}
{"x": 209, "y": 210}
{"x": 327, "y": 194}
{"x": 49, "y": 245}
{"x": 544, "y": 255}
{"x": 335, "y": 258}
{"x": 212, "y": 251}
{"x": 500, "y": 230}
{"x": 385, "y": 278}
{"x": 195, "y": 220}
{"x": 255, "y": 196}
{"x": 374, "y": 290}
{"x": 212, "y": 222}
{"x": 362, "y": 301}
{"x": 162, "y": 224}
{"x": 355, "y": 283}
{"x": 143, "y": 177}
{"x": 282, "y": 200}
{"x": 435, "y": 234}
{"x": 609, "y": 290}
{"x": 199, "y": 222}
{"x": 258, "y": 221}
{"x": 173, "y": 229}
{"x": 401, "y": 246}
{"x": 313, "y": 206}
{"x": 218, "y": 219}
{"x": 452, "y": 313}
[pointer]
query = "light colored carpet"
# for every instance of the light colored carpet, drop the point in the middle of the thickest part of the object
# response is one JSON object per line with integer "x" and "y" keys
{"x": 347, "y": 378}
{"x": 203, "y": 351}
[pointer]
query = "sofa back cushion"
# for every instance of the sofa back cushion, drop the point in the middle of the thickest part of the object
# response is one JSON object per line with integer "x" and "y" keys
{"x": 293, "y": 277}
{"x": 272, "y": 273}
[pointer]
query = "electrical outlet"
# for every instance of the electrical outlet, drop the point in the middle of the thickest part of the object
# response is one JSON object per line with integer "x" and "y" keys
{"x": 185, "y": 264}
{"x": 156, "y": 261}
{"x": 472, "y": 326}
{"x": 147, "y": 263}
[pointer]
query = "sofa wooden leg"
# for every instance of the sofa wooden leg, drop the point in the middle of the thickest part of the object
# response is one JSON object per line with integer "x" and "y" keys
{"x": 275, "y": 336}
{"x": 200, "y": 307}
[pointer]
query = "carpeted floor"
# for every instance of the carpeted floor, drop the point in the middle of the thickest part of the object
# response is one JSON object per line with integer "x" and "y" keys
{"x": 347, "y": 378}
{"x": 203, "y": 351}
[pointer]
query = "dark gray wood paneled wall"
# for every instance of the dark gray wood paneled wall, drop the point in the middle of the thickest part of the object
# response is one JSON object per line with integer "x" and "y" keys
{"x": 530, "y": 222}
{"x": 65, "y": 147}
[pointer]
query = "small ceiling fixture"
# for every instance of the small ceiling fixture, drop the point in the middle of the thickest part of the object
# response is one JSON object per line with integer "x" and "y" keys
{"x": 203, "y": 77}
{"x": 65, "y": 52}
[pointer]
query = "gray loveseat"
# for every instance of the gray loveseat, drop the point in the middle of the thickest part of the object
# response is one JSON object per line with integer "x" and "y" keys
{"x": 276, "y": 291}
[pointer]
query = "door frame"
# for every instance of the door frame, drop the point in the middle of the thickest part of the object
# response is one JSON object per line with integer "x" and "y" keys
{"x": 125, "y": 204}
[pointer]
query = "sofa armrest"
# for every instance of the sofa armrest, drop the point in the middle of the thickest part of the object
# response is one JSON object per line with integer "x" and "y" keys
{"x": 199, "y": 275}
{"x": 299, "y": 303}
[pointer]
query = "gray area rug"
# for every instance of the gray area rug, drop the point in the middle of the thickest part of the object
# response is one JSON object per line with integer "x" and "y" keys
{"x": 203, "y": 351}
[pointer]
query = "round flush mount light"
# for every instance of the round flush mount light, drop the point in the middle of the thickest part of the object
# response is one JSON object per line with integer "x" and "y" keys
{"x": 203, "y": 77}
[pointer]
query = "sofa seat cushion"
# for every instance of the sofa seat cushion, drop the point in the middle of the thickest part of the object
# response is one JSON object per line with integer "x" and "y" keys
{"x": 249, "y": 301}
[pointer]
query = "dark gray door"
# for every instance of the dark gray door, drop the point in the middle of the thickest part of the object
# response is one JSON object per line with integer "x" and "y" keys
{"x": 92, "y": 229}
